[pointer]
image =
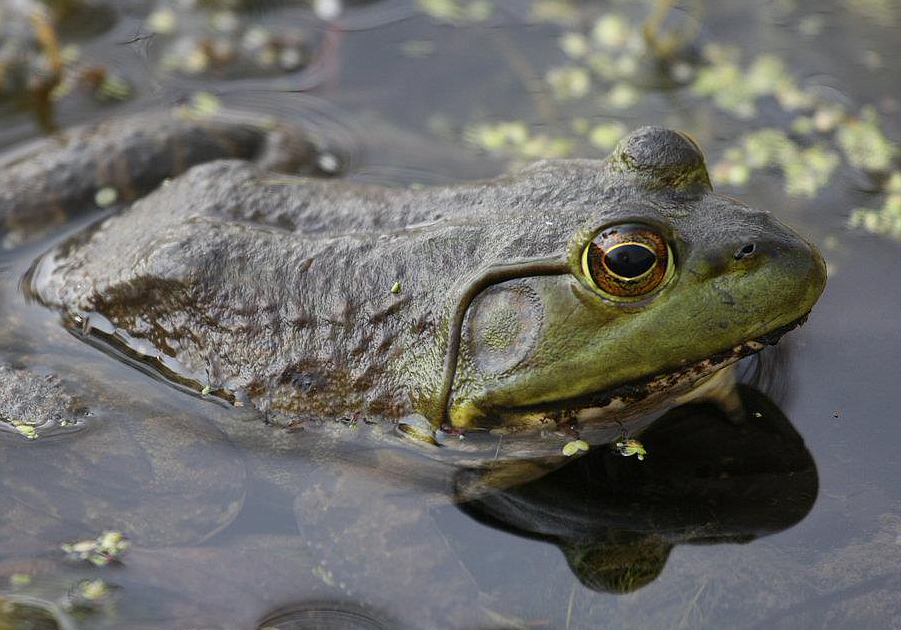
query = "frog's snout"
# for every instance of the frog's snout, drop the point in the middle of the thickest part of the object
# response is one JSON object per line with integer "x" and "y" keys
{"x": 786, "y": 259}
{"x": 759, "y": 258}
{"x": 813, "y": 267}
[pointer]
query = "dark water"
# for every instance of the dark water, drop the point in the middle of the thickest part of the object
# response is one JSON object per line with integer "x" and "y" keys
{"x": 793, "y": 522}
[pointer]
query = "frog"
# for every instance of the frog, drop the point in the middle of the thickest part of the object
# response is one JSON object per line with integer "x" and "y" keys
{"x": 488, "y": 321}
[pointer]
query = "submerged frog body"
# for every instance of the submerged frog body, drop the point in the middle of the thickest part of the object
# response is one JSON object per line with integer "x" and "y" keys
{"x": 569, "y": 298}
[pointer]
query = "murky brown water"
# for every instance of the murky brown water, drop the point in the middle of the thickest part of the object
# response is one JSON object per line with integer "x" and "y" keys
{"x": 234, "y": 526}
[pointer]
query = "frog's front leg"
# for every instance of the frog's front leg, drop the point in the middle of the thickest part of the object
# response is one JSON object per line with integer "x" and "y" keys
{"x": 719, "y": 389}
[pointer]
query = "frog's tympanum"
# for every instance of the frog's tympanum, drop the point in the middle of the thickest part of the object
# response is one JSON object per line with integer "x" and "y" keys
{"x": 573, "y": 298}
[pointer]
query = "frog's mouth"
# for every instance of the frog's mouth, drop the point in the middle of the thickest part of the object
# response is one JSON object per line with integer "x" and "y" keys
{"x": 598, "y": 418}
{"x": 667, "y": 382}
{"x": 647, "y": 397}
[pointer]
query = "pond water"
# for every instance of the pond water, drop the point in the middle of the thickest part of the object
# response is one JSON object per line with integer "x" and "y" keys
{"x": 793, "y": 521}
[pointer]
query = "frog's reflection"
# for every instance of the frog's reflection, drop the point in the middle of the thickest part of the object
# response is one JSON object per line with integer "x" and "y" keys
{"x": 704, "y": 481}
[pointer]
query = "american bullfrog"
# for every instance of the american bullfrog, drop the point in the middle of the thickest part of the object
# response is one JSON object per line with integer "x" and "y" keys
{"x": 575, "y": 298}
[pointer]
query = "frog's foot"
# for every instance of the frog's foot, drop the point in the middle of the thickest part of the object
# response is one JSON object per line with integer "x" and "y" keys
{"x": 720, "y": 389}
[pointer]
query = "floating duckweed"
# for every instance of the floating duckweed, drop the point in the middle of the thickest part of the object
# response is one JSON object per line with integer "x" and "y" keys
{"x": 290, "y": 59}
{"x": 266, "y": 57}
{"x": 606, "y": 136}
{"x": 827, "y": 117}
{"x": 161, "y": 21}
{"x": 568, "y": 83}
{"x": 802, "y": 125}
{"x": 724, "y": 85}
{"x": 106, "y": 548}
{"x": 763, "y": 74}
{"x": 69, "y": 54}
{"x": 92, "y": 590}
{"x": 497, "y": 137}
{"x": 735, "y": 90}
{"x": 730, "y": 172}
{"x": 871, "y": 59}
{"x": 513, "y": 139}
{"x": 26, "y": 431}
{"x": 580, "y": 126}
{"x": 454, "y": 12}
{"x": 611, "y": 31}
{"x": 324, "y": 575}
{"x": 766, "y": 147}
{"x": 106, "y": 196}
{"x": 87, "y": 595}
{"x": 478, "y": 11}
{"x": 809, "y": 171}
{"x": 196, "y": 61}
{"x": 682, "y": 72}
{"x": 114, "y": 88}
{"x": 571, "y": 448}
{"x": 204, "y": 104}
{"x": 790, "y": 97}
{"x": 884, "y": 222}
{"x": 811, "y": 25}
{"x": 719, "y": 54}
{"x": 225, "y": 22}
{"x": 622, "y": 96}
{"x": 417, "y": 48}
{"x": 805, "y": 170}
{"x": 395, "y": 288}
{"x": 574, "y": 45}
{"x": 255, "y": 37}
{"x": 602, "y": 65}
{"x": 18, "y": 580}
{"x": 626, "y": 66}
{"x": 631, "y": 446}
{"x": 864, "y": 145}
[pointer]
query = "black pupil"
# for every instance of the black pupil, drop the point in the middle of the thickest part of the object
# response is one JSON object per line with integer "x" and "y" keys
{"x": 629, "y": 261}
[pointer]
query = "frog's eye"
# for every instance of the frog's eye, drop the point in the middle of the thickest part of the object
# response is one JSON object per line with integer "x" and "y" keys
{"x": 627, "y": 261}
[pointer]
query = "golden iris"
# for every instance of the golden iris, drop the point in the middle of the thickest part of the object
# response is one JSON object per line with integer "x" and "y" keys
{"x": 627, "y": 261}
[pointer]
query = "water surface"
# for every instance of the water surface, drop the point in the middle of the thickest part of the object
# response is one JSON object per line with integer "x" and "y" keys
{"x": 232, "y": 524}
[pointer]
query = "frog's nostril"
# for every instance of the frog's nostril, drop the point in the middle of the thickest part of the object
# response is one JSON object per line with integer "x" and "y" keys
{"x": 745, "y": 251}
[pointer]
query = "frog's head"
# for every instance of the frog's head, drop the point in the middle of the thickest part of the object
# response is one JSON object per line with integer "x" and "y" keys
{"x": 654, "y": 282}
